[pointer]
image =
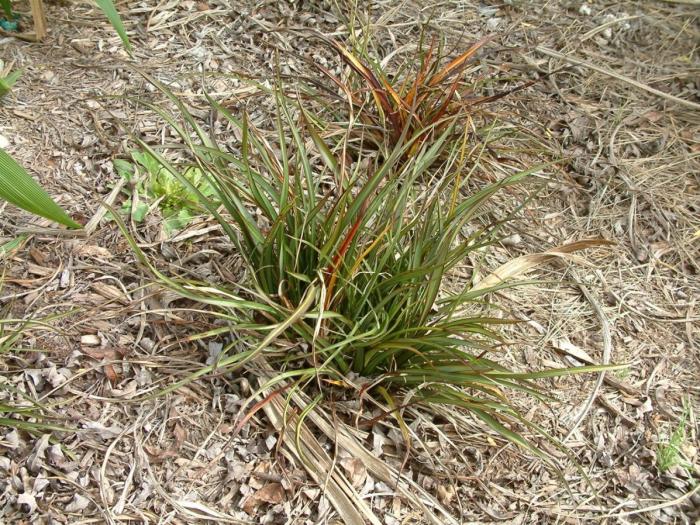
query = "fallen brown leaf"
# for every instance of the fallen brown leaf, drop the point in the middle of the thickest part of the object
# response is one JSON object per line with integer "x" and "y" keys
{"x": 356, "y": 471}
{"x": 158, "y": 454}
{"x": 445, "y": 493}
{"x": 112, "y": 352}
{"x": 109, "y": 291}
{"x": 180, "y": 435}
{"x": 111, "y": 374}
{"x": 38, "y": 256}
{"x": 272, "y": 493}
{"x": 90, "y": 250}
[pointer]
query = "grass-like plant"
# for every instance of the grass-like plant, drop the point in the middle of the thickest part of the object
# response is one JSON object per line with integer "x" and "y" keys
{"x": 17, "y": 409}
{"x": 418, "y": 100}
{"x": 345, "y": 263}
{"x": 669, "y": 453}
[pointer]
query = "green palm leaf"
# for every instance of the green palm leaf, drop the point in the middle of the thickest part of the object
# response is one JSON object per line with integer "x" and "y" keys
{"x": 19, "y": 188}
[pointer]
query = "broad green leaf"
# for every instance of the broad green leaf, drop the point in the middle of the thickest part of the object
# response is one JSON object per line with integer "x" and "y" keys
{"x": 113, "y": 16}
{"x": 138, "y": 214}
{"x": 125, "y": 169}
{"x": 178, "y": 201}
{"x": 19, "y": 188}
{"x": 177, "y": 221}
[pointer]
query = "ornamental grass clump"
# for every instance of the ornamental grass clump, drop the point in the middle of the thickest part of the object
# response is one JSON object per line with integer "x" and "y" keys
{"x": 419, "y": 99}
{"x": 345, "y": 261}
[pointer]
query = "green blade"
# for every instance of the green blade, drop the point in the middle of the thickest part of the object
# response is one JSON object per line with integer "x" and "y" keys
{"x": 12, "y": 78}
{"x": 9, "y": 81}
{"x": 7, "y": 8}
{"x": 19, "y": 188}
{"x": 113, "y": 16}
{"x": 10, "y": 246}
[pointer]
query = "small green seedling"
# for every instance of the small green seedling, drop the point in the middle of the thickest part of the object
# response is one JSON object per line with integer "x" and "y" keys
{"x": 7, "y": 80}
{"x": 6, "y": 8}
{"x": 670, "y": 453}
{"x": 623, "y": 374}
{"x": 151, "y": 186}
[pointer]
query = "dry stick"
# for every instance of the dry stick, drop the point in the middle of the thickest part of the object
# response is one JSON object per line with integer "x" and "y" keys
{"x": 316, "y": 461}
{"x": 579, "y": 62}
{"x": 39, "y": 18}
{"x": 26, "y": 37}
{"x": 659, "y": 506}
{"x": 104, "y": 207}
{"x": 602, "y": 27}
{"x": 103, "y": 470}
{"x": 607, "y": 350}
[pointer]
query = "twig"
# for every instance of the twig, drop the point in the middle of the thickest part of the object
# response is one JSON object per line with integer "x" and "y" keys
{"x": 659, "y": 506}
{"x": 605, "y": 402}
{"x": 649, "y": 89}
{"x": 27, "y": 37}
{"x": 607, "y": 351}
{"x": 601, "y": 27}
{"x": 104, "y": 207}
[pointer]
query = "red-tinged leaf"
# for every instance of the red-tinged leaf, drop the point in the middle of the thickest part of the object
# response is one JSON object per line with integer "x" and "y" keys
{"x": 399, "y": 106}
{"x": 385, "y": 414}
{"x": 458, "y": 63}
{"x": 332, "y": 271}
{"x": 379, "y": 93}
{"x": 343, "y": 87}
{"x": 398, "y": 102}
{"x": 256, "y": 407}
{"x": 356, "y": 64}
{"x": 437, "y": 115}
{"x": 420, "y": 77}
{"x": 111, "y": 374}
